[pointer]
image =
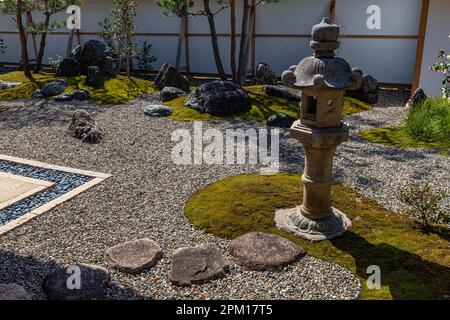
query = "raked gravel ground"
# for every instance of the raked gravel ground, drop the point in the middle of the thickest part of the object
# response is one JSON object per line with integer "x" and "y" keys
{"x": 146, "y": 194}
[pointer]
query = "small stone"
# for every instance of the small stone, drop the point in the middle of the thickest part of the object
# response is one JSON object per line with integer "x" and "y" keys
{"x": 54, "y": 88}
{"x": 171, "y": 93}
{"x": 63, "y": 97}
{"x": 68, "y": 67}
{"x": 197, "y": 265}
{"x": 265, "y": 75}
{"x": 81, "y": 95}
{"x": 13, "y": 291}
{"x": 158, "y": 111}
{"x": 264, "y": 251}
{"x": 417, "y": 98}
{"x": 368, "y": 92}
{"x": 8, "y": 84}
{"x": 133, "y": 256}
{"x": 281, "y": 120}
{"x": 93, "y": 282}
{"x": 37, "y": 95}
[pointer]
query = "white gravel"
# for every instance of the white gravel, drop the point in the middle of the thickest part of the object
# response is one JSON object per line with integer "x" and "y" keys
{"x": 146, "y": 194}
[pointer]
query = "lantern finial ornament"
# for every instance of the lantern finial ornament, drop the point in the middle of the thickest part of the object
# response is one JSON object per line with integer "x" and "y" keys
{"x": 323, "y": 79}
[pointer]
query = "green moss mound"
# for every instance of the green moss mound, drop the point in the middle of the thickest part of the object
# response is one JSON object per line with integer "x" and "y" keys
{"x": 427, "y": 126}
{"x": 117, "y": 89}
{"x": 414, "y": 265}
{"x": 262, "y": 107}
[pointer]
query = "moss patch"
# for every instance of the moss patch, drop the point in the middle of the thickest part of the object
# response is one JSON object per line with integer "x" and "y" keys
{"x": 414, "y": 265}
{"x": 117, "y": 89}
{"x": 262, "y": 107}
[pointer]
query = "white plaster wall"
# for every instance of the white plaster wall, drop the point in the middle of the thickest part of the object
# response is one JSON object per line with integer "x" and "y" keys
{"x": 437, "y": 37}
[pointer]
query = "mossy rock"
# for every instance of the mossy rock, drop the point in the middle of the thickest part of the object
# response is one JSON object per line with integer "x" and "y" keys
{"x": 116, "y": 90}
{"x": 261, "y": 109}
{"x": 414, "y": 264}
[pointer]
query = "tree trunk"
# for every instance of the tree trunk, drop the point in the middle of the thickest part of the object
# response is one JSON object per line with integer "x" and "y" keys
{"x": 215, "y": 45}
{"x": 23, "y": 40}
{"x": 233, "y": 40}
{"x": 40, "y": 56}
{"x": 248, "y": 40}
{"x": 244, "y": 36}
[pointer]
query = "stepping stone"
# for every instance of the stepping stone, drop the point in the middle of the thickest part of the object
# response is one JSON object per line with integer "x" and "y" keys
{"x": 77, "y": 282}
{"x": 264, "y": 251}
{"x": 197, "y": 265}
{"x": 158, "y": 111}
{"x": 133, "y": 256}
{"x": 13, "y": 291}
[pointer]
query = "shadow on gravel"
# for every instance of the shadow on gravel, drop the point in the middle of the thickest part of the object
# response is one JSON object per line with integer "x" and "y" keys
{"x": 29, "y": 272}
{"x": 406, "y": 275}
{"x": 34, "y": 115}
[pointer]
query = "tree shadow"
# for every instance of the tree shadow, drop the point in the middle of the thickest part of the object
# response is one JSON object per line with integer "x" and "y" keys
{"x": 29, "y": 272}
{"x": 407, "y": 275}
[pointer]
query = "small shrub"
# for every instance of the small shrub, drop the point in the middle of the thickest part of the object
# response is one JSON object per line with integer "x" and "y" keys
{"x": 424, "y": 203}
{"x": 144, "y": 58}
{"x": 430, "y": 121}
{"x": 442, "y": 66}
{"x": 55, "y": 62}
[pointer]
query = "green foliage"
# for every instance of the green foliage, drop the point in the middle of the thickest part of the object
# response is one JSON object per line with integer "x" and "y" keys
{"x": 117, "y": 89}
{"x": 415, "y": 264}
{"x": 424, "y": 202}
{"x": 442, "y": 66}
{"x": 10, "y": 7}
{"x": 144, "y": 57}
{"x": 54, "y": 62}
{"x": 262, "y": 107}
{"x": 430, "y": 121}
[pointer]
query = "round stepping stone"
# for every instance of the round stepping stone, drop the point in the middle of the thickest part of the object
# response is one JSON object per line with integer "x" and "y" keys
{"x": 13, "y": 291}
{"x": 264, "y": 251}
{"x": 158, "y": 111}
{"x": 197, "y": 265}
{"x": 76, "y": 282}
{"x": 133, "y": 256}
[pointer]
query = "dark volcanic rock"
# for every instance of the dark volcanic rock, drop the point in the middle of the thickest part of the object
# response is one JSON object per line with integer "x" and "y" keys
{"x": 53, "y": 88}
{"x": 169, "y": 76}
{"x": 171, "y": 93}
{"x": 94, "y": 77}
{"x": 94, "y": 54}
{"x": 68, "y": 67}
{"x": 283, "y": 92}
{"x": 265, "y": 75}
{"x": 417, "y": 98}
{"x": 81, "y": 95}
{"x": 368, "y": 92}
{"x": 84, "y": 127}
{"x": 264, "y": 251}
{"x": 197, "y": 265}
{"x": 219, "y": 98}
{"x": 61, "y": 284}
{"x": 281, "y": 120}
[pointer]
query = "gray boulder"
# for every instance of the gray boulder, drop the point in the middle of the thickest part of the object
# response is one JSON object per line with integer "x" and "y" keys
{"x": 417, "y": 98}
{"x": 94, "y": 281}
{"x": 368, "y": 92}
{"x": 168, "y": 76}
{"x": 282, "y": 92}
{"x": 94, "y": 77}
{"x": 13, "y": 291}
{"x": 171, "y": 93}
{"x": 158, "y": 111}
{"x": 219, "y": 98}
{"x": 68, "y": 67}
{"x": 81, "y": 95}
{"x": 264, "y": 251}
{"x": 281, "y": 120}
{"x": 197, "y": 265}
{"x": 265, "y": 75}
{"x": 133, "y": 256}
{"x": 84, "y": 128}
{"x": 8, "y": 84}
{"x": 54, "y": 88}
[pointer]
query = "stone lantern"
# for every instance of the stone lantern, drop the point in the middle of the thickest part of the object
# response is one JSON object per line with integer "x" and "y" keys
{"x": 323, "y": 80}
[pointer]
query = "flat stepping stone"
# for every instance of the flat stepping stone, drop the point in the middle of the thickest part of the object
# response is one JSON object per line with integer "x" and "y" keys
{"x": 133, "y": 256}
{"x": 264, "y": 251}
{"x": 13, "y": 291}
{"x": 158, "y": 111}
{"x": 77, "y": 282}
{"x": 197, "y": 265}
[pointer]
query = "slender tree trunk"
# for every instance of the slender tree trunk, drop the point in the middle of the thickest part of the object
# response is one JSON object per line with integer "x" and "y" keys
{"x": 40, "y": 56}
{"x": 233, "y": 40}
{"x": 23, "y": 39}
{"x": 215, "y": 45}
{"x": 244, "y": 35}
{"x": 248, "y": 40}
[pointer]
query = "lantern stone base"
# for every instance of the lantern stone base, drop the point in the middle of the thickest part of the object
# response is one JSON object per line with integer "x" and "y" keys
{"x": 293, "y": 221}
